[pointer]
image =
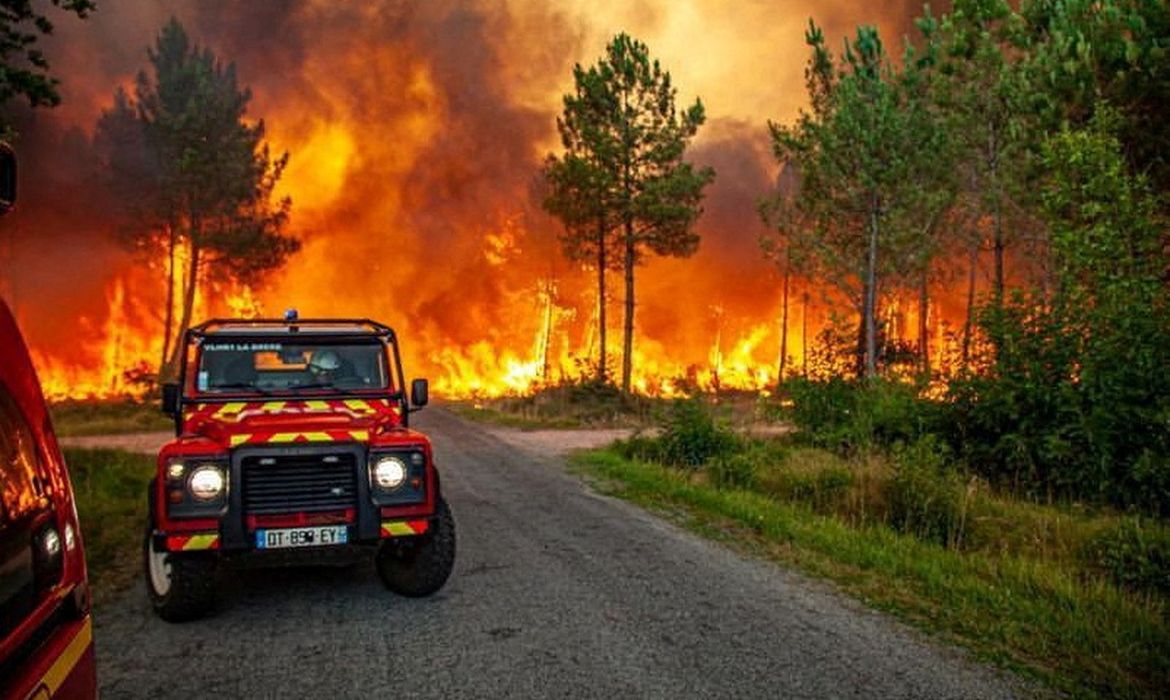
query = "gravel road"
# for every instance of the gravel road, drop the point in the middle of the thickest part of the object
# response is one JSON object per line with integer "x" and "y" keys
{"x": 558, "y": 592}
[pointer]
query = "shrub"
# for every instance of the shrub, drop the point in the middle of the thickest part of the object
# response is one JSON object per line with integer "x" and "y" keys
{"x": 926, "y": 496}
{"x": 640, "y": 447}
{"x": 691, "y": 436}
{"x": 1135, "y": 554}
{"x": 809, "y": 476}
{"x": 848, "y": 415}
{"x": 739, "y": 470}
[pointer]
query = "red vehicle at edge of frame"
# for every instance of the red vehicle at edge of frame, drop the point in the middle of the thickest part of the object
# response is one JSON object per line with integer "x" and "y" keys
{"x": 46, "y": 632}
{"x": 46, "y": 648}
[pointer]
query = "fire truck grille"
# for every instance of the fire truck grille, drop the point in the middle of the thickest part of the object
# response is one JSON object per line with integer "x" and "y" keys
{"x": 294, "y": 484}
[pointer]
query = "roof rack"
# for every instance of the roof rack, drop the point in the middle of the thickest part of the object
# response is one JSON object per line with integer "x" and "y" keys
{"x": 310, "y": 325}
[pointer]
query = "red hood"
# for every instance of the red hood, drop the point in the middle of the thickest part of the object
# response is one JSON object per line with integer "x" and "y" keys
{"x": 237, "y": 423}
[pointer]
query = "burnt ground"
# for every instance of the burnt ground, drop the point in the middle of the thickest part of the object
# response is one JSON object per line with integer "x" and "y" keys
{"x": 557, "y": 592}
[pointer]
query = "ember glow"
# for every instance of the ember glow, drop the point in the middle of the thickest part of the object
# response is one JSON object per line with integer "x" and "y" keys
{"x": 415, "y": 132}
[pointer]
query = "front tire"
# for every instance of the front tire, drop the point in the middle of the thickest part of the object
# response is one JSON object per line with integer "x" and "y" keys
{"x": 181, "y": 587}
{"x": 416, "y": 569}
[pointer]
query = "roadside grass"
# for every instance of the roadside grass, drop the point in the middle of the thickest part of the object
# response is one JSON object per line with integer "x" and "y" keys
{"x": 1018, "y": 593}
{"x": 110, "y": 488}
{"x": 77, "y": 418}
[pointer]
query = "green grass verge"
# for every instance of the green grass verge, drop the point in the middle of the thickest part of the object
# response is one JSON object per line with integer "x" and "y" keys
{"x": 76, "y": 418}
{"x": 1078, "y": 634}
{"x": 110, "y": 487}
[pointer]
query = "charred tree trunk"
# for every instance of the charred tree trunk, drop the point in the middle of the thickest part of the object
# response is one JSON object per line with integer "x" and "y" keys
{"x": 784, "y": 323}
{"x": 628, "y": 339}
{"x": 601, "y": 262}
{"x": 546, "y": 340}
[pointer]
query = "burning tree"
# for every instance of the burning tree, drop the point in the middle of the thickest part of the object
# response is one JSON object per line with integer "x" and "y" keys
{"x": 195, "y": 178}
{"x": 623, "y": 179}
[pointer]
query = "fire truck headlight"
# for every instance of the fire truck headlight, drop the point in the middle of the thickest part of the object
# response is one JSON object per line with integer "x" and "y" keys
{"x": 206, "y": 483}
{"x": 389, "y": 473}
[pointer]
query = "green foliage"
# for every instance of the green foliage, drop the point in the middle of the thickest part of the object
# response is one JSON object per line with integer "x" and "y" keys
{"x": 692, "y": 436}
{"x": 622, "y": 181}
{"x": 1089, "y": 54}
{"x": 23, "y": 67}
{"x": 927, "y": 497}
{"x": 1134, "y": 554}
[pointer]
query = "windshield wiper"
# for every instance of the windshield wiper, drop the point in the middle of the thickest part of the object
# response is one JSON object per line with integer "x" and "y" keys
{"x": 242, "y": 385}
{"x": 318, "y": 385}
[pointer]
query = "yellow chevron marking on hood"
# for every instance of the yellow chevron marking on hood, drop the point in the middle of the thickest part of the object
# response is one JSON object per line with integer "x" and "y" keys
{"x": 358, "y": 406}
{"x": 230, "y": 408}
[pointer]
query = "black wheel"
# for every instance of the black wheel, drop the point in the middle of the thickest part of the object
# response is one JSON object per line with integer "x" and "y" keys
{"x": 419, "y": 568}
{"x": 181, "y": 587}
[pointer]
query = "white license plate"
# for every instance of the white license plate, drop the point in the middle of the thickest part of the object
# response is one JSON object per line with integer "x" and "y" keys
{"x": 301, "y": 537}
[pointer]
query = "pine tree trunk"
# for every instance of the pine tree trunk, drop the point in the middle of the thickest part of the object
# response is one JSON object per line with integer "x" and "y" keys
{"x": 924, "y": 326}
{"x": 967, "y": 324}
{"x": 601, "y": 261}
{"x": 628, "y": 339}
{"x": 169, "y": 317}
{"x": 993, "y": 166}
{"x": 784, "y": 324}
{"x": 870, "y": 311}
{"x": 192, "y": 284}
{"x": 804, "y": 334}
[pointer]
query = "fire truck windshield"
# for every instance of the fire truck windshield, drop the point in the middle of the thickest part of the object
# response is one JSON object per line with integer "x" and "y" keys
{"x": 266, "y": 366}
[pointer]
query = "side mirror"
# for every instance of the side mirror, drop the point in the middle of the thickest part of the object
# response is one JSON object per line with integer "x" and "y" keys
{"x": 7, "y": 177}
{"x": 170, "y": 398}
{"x": 419, "y": 393}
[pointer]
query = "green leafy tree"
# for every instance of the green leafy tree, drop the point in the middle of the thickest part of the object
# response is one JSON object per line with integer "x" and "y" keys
{"x": 24, "y": 69}
{"x": 196, "y": 178}
{"x": 626, "y": 162}
{"x": 860, "y": 150}
{"x": 1088, "y": 53}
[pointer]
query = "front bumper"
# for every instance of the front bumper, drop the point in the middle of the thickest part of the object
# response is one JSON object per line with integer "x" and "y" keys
{"x": 364, "y": 521}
